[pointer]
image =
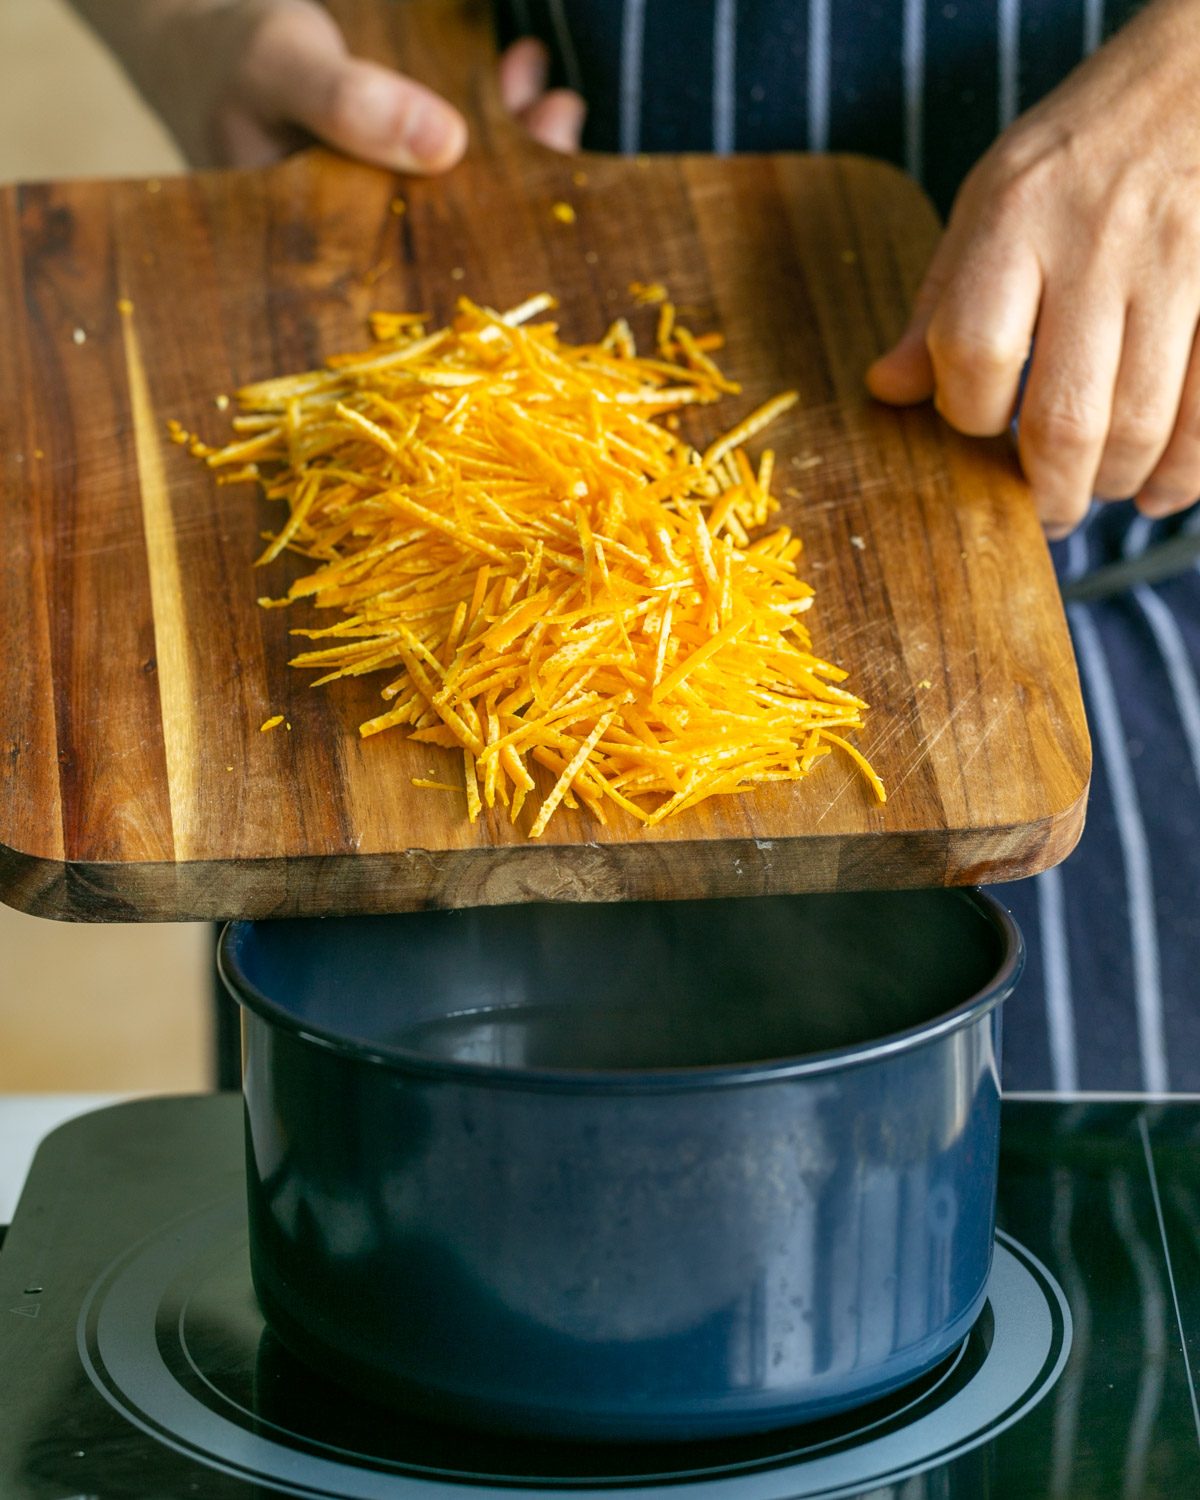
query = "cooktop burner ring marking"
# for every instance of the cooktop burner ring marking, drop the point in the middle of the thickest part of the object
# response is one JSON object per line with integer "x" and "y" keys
{"x": 412, "y": 1469}
{"x": 1032, "y": 1342}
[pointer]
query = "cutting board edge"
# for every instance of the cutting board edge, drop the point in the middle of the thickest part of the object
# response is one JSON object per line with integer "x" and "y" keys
{"x": 418, "y": 879}
{"x": 544, "y": 156}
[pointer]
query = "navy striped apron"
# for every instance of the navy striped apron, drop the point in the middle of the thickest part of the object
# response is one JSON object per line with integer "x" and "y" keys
{"x": 1111, "y": 999}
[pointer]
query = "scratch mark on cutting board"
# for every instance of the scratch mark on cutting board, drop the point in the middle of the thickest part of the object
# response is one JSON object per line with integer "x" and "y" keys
{"x": 927, "y": 747}
{"x": 896, "y": 727}
{"x": 992, "y": 726}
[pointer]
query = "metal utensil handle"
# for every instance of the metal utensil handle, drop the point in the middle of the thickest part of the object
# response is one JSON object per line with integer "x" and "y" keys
{"x": 1165, "y": 560}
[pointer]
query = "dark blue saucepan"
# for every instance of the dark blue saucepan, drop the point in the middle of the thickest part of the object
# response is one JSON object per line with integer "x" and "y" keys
{"x": 636, "y": 1171}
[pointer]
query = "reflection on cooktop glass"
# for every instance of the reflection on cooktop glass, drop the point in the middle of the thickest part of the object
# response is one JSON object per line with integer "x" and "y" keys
{"x": 135, "y": 1362}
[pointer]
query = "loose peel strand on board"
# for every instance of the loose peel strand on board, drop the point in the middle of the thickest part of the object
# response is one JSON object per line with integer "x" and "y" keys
{"x": 550, "y": 575}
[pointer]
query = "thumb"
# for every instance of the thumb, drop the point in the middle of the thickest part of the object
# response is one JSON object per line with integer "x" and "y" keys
{"x": 904, "y": 375}
{"x": 306, "y": 77}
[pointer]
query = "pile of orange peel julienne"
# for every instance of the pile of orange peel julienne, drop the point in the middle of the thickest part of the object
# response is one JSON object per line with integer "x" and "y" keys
{"x": 549, "y": 573}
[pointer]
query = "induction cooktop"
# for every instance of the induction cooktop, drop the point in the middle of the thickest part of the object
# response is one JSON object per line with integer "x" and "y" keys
{"x": 134, "y": 1362}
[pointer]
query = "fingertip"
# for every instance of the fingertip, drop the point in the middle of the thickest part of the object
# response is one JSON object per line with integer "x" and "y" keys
{"x": 524, "y": 70}
{"x": 903, "y": 376}
{"x": 882, "y": 384}
{"x": 436, "y": 138}
{"x": 557, "y": 120}
{"x": 387, "y": 119}
{"x": 992, "y": 421}
{"x": 1057, "y": 531}
{"x": 1059, "y": 510}
{"x": 1155, "y": 503}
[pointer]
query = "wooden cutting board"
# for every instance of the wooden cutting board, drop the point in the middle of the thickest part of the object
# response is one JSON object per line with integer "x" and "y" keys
{"x": 137, "y": 666}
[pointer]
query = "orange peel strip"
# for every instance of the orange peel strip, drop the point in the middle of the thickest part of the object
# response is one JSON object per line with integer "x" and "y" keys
{"x": 550, "y": 576}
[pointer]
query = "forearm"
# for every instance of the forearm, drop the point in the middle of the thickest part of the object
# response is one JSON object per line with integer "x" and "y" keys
{"x": 150, "y": 37}
{"x": 124, "y": 23}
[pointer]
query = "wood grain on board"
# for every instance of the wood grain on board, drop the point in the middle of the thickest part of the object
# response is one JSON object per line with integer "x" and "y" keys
{"x": 138, "y": 667}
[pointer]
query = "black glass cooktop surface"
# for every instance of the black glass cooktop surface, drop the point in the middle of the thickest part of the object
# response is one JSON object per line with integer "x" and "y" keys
{"x": 134, "y": 1361}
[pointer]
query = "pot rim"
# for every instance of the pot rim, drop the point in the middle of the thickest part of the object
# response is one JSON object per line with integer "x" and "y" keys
{"x": 632, "y": 1080}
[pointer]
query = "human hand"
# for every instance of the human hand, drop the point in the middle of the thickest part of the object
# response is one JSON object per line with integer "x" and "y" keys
{"x": 1082, "y": 224}
{"x": 243, "y": 82}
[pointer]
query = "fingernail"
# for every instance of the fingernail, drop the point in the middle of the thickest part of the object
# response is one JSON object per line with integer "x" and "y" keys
{"x": 434, "y": 133}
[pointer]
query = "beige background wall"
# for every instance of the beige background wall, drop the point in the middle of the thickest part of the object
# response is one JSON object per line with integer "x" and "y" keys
{"x": 89, "y": 1008}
